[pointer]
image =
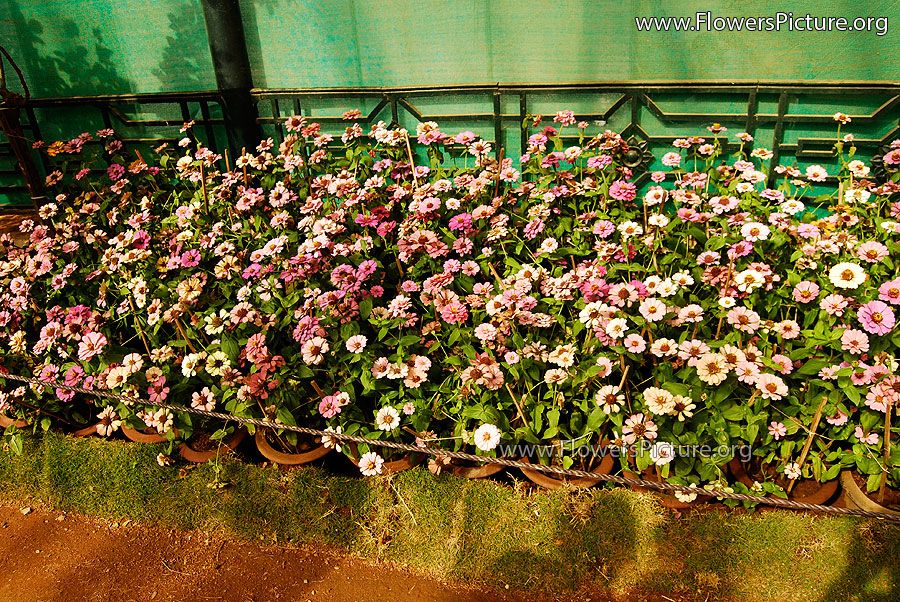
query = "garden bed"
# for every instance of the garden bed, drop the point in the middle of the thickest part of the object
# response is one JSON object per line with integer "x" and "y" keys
{"x": 424, "y": 289}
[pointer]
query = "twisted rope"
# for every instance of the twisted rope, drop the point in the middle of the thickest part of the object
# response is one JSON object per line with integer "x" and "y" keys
{"x": 554, "y": 470}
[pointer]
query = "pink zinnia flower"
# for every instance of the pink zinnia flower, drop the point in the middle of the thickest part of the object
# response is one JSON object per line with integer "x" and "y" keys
{"x": 771, "y": 386}
{"x": 91, "y": 345}
{"x": 636, "y": 428}
{"x": 623, "y": 191}
{"x": 890, "y": 291}
{"x": 190, "y": 258}
{"x": 158, "y": 391}
{"x": 806, "y": 291}
{"x": 747, "y": 372}
{"x": 839, "y": 420}
{"x": 785, "y": 363}
{"x": 870, "y": 438}
{"x": 743, "y": 319}
{"x": 871, "y": 251}
{"x": 635, "y": 343}
{"x": 455, "y": 313}
{"x": 876, "y": 317}
{"x": 777, "y": 430}
{"x": 330, "y": 406}
{"x": 854, "y": 341}
{"x": 834, "y": 304}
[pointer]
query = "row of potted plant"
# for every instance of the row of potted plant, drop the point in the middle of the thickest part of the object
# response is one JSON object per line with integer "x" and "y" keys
{"x": 414, "y": 287}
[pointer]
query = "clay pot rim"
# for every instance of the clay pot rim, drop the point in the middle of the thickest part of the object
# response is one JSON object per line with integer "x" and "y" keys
{"x": 550, "y": 482}
{"x": 6, "y": 421}
{"x": 229, "y": 443}
{"x": 287, "y": 459}
{"x": 142, "y": 437}
{"x": 859, "y": 496}
{"x": 481, "y": 471}
{"x": 820, "y": 496}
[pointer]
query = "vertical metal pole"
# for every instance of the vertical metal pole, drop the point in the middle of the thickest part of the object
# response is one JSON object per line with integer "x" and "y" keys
{"x": 234, "y": 79}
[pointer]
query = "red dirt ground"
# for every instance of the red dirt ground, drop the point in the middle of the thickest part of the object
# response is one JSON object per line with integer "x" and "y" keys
{"x": 48, "y": 556}
{"x": 52, "y": 556}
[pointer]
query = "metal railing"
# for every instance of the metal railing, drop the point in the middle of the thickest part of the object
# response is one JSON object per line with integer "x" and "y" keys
{"x": 794, "y": 120}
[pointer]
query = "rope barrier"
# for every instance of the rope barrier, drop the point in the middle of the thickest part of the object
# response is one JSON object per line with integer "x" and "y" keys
{"x": 555, "y": 470}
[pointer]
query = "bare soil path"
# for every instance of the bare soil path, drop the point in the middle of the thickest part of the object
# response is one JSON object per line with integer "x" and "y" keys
{"x": 53, "y": 556}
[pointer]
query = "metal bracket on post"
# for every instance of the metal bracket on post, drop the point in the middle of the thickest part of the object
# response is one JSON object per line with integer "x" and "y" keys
{"x": 11, "y": 104}
{"x": 228, "y": 48}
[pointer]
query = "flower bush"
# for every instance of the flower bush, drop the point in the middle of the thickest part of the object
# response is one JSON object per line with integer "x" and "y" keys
{"x": 411, "y": 287}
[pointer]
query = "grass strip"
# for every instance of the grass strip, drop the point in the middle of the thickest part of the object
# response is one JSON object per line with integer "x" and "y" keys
{"x": 475, "y": 531}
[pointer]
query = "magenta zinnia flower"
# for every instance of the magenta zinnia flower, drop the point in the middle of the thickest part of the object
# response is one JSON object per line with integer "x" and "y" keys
{"x": 876, "y": 317}
{"x": 622, "y": 191}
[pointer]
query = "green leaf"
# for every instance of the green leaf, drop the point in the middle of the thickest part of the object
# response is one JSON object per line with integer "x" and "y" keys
{"x": 219, "y": 434}
{"x": 16, "y": 444}
{"x": 365, "y": 308}
{"x": 595, "y": 419}
{"x": 230, "y": 347}
{"x": 812, "y": 366}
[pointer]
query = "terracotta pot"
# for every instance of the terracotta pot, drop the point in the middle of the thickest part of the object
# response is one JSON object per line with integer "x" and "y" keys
{"x": 474, "y": 472}
{"x": 151, "y": 436}
{"x": 857, "y": 497}
{"x": 548, "y": 481}
{"x": 88, "y": 431}
{"x": 288, "y": 459}
{"x": 807, "y": 491}
{"x": 404, "y": 463}
{"x": 668, "y": 500}
{"x": 6, "y": 421}
{"x": 229, "y": 443}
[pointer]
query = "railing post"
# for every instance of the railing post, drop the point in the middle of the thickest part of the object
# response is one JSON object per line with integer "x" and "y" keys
{"x": 10, "y": 108}
{"x": 234, "y": 79}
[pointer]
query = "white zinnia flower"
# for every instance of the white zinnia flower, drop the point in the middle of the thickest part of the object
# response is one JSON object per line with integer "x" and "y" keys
{"x": 332, "y": 442}
{"x": 356, "y": 343}
{"x": 387, "y": 419}
{"x": 792, "y": 471}
{"x": 486, "y": 437}
{"x": 712, "y": 368}
{"x": 370, "y": 464}
{"x": 662, "y": 453}
{"x": 754, "y": 231}
{"x": 847, "y": 275}
{"x": 616, "y": 327}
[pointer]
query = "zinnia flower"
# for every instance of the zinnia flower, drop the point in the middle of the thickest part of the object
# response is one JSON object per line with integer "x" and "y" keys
{"x": 854, "y": 341}
{"x": 847, "y": 275}
{"x": 486, "y": 437}
{"x": 777, "y": 430}
{"x": 712, "y": 368}
{"x": 806, "y": 291}
{"x": 771, "y": 386}
{"x": 876, "y": 317}
{"x": 387, "y": 419}
{"x": 356, "y": 343}
{"x": 890, "y": 291}
{"x": 370, "y": 464}
{"x": 91, "y": 345}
